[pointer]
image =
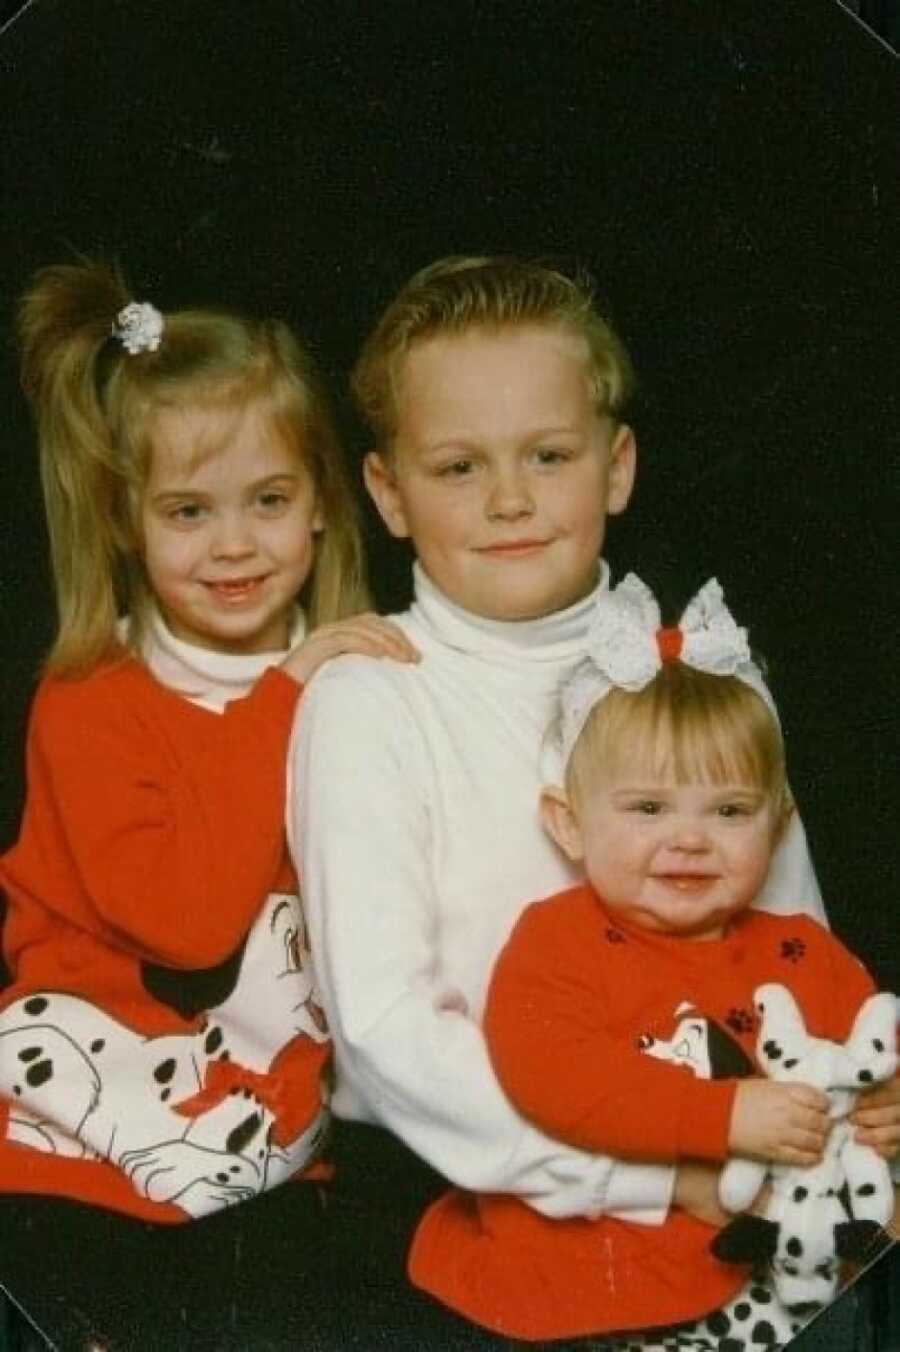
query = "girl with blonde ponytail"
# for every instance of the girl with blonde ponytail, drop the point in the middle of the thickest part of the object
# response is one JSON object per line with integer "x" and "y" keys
{"x": 162, "y": 1052}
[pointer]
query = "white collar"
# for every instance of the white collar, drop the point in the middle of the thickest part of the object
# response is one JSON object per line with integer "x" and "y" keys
{"x": 201, "y": 675}
{"x": 551, "y": 639}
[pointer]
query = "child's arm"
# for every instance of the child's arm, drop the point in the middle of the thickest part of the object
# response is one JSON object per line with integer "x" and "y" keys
{"x": 359, "y": 830}
{"x": 547, "y": 1022}
{"x": 169, "y": 818}
{"x": 150, "y": 821}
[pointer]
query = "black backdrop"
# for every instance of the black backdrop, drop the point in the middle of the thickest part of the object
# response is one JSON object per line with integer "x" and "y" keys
{"x": 729, "y": 173}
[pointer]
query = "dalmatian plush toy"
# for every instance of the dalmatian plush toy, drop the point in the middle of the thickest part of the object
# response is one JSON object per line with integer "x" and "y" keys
{"x": 816, "y": 1217}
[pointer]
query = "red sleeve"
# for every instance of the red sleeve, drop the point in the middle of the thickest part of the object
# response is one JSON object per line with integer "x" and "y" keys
{"x": 850, "y": 986}
{"x": 547, "y": 1031}
{"x": 169, "y": 819}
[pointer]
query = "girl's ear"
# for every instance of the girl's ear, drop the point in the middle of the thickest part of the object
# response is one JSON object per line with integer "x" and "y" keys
{"x": 622, "y": 464}
{"x": 561, "y": 823}
{"x": 381, "y": 481}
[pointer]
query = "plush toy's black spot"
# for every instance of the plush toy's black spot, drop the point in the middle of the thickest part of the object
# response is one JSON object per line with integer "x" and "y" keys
{"x": 761, "y": 1294}
{"x": 718, "y": 1323}
{"x": 39, "y": 1073}
{"x": 865, "y": 1190}
{"x": 794, "y": 1247}
{"x": 17, "y": 1090}
{"x": 98, "y": 1044}
{"x": 800, "y": 1194}
{"x": 213, "y": 1040}
{"x": 789, "y": 1065}
{"x": 225, "y": 1056}
{"x": 790, "y": 1270}
{"x": 772, "y": 1050}
{"x": 165, "y": 1095}
{"x": 29, "y": 1053}
{"x": 824, "y": 1270}
{"x": 878, "y": 1044}
{"x": 743, "y": 1310}
{"x": 165, "y": 1070}
{"x": 865, "y": 1077}
{"x": 222, "y": 1178}
{"x": 764, "y": 1333}
{"x": 731, "y": 1345}
{"x": 36, "y": 1004}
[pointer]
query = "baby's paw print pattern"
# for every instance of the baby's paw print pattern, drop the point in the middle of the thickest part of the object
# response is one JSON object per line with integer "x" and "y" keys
{"x": 741, "y": 1020}
{"x": 793, "y": 949}
{"x": 614, "y": 936}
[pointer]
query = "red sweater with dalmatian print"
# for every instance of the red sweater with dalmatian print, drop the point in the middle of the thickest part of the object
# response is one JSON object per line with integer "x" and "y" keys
{"x": 583, "y": 1013}
{"x": 161, "y": 1023}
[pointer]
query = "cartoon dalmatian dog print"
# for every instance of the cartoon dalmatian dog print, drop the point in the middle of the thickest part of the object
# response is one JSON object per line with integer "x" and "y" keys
{"x": 203, "y": 1119}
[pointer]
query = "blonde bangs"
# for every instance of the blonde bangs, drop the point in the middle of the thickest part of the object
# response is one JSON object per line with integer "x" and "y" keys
{"x": 686, "y": 726}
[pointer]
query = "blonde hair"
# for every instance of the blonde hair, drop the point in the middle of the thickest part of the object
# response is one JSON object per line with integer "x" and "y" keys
{"x": 94, "y": 404}
{"x": 459, "y": 293}
{"x": 685, "y": 726}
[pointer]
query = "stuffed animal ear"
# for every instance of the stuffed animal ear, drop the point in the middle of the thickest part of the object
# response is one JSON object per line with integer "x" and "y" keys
{"x": 860, "y": 1241}
{"x": 746, "y": 1238}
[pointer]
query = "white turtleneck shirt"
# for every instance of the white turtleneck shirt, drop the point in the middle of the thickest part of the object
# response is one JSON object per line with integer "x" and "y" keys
{"x": 413, "y": 820}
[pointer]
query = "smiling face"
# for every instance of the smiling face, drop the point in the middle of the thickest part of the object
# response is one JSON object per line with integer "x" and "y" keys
{"x": 502, "y": 472}
{"x": 228, "y": 517}
{"x": 671, "y": 857}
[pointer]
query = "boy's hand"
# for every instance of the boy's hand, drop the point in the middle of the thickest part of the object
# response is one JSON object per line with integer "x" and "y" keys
{"x": 367, "y": 633}
{"x": 785, "y": 1123}
{"x": 697, "y": 1191}
{"x": 877, "y": 1118}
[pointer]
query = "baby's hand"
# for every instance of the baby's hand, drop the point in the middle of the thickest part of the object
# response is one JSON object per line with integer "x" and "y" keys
{"x": 877, "y": 1118}
{"x": 367, "y": 633}
{"x": 785, "y": 1123}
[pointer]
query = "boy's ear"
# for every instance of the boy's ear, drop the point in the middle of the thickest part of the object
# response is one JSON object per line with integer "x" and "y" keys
{"x": 381, "y": 481}
{"x": 560, "y": 822}
{"x": 622, "y": 465}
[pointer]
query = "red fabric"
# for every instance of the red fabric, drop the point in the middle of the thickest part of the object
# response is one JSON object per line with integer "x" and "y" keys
{"x": 571, "y": 993}
{"x": 153, "y": 830}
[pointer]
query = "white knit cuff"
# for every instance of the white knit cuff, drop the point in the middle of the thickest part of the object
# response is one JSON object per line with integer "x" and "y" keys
{"x": 639, "y": 1192}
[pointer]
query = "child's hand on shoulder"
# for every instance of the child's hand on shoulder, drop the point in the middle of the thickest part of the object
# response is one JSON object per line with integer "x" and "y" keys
{"x": 784, "y": 1123}
{"x": 367, "y": 633}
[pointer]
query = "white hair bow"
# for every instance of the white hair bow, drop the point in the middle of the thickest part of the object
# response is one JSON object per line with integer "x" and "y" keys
{"x": 626, "y": 646}
{"x": 138, "y": 327}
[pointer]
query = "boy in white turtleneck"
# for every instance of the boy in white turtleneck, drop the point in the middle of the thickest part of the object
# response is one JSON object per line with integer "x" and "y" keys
{"x": 496, "y": 395}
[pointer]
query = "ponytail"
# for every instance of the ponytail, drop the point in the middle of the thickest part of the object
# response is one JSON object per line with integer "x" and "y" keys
{"x": 65, "y": 327}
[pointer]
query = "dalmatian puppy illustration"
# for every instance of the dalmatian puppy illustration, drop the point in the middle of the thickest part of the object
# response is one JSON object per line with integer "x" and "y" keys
{"x": 818, "y": 1216}
{"x": 702, "y": 1045}
{"x": 203, "y": 1118}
